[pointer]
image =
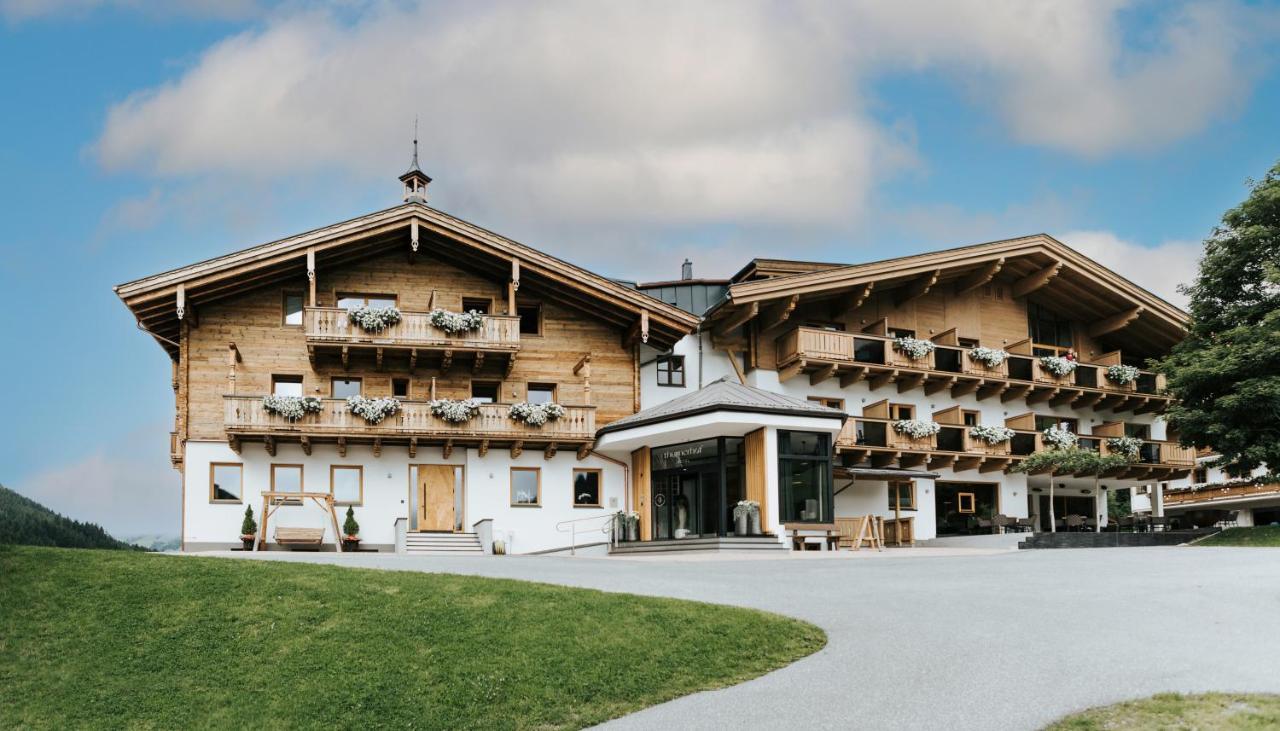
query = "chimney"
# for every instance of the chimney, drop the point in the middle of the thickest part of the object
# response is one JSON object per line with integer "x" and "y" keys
{"x": 686, "y": 270}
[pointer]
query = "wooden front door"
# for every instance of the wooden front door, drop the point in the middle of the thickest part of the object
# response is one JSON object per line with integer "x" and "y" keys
{"x": 436, "y": 490}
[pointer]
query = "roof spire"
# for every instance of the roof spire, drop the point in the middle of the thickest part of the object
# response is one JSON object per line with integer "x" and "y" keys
{"x": 415, "y": 181}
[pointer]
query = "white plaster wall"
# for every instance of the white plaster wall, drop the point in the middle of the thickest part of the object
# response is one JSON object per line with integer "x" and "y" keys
{"x": 715, "y": 364}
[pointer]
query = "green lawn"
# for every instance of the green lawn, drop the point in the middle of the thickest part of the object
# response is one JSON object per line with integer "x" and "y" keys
{"x": 98, "y": 639}
{"x": 1260, "y": 536}
{"x": 1208, "y": 712}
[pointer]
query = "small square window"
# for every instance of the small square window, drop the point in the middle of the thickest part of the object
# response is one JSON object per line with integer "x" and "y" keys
{"x": 671, "y": 370}
{"x": 345, "y": 387}
{"x": 970, "y": 418}
{"x": 898, "y": 332}
{"x": 486, "y": 392}
{"x": 530, "y": 319}
{"x": 541, "y": 393}
{"x": 967, "y": 342}
{"x": 830, "y": 403}
{"x": 293, "y": 309}
{"x": 286, "y": 478}
{"x": 286, "y": 385}
{"x": 526, "y": 486}
{"x": 900, "y": 412}
{"x": 477, "y": 304}
{"x": 346, "y": 483}
{"x": 586, "y": 488}
{"x": 225, "y": 482}
{"x": 400, "y": 387}
{"x": 905, "y": 492}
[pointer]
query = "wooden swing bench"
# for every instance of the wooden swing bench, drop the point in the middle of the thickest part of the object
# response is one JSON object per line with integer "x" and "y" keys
{"x": 297, "y": 538}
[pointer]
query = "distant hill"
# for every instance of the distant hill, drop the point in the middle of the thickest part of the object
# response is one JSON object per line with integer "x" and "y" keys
{"x": 155, "y": 542}
{"x": 25, "y": 521}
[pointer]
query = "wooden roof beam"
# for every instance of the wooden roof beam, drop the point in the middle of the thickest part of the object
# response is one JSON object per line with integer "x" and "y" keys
{"x": 851, "y": 300}
{"x": 979, "y": 277}
{"x": 736, "y": 320}
{"x": 918, "y": 287}
{"x": 776, "y": 314}
{"x": 1036, "y": 280}
{"x": 1118, "y": 321}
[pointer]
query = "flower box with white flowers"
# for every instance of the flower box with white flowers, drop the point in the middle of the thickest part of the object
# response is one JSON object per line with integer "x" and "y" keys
{"x": 1122, "y": 377}
{"x": 912, "y": 352}
{"x": 990, "y": 440}
{"x": 914, "y": 434}
{"x": 986, "y": 361}
{"x": 1056, "y": 369}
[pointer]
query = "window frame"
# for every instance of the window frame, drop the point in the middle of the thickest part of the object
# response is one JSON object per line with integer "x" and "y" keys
{"x": 511, "y": 487}
{"x": 223, "y": 501}
{"x": 359, "y": 470}
{"x": 670, "y": 372}
{"x": 408, "y": 386}
{"x": 826, "y": 513}
{"x": 895, "y": 489}
{"x": 599, "y": 503}
{"x": 289, "y": 378}
{"x": 488, "y": 304}
{"x": 334, "y": 379}
{"x": 497, "y": 389}
{"x": 895, "y": 416}
{"x": 540, "y": 320}
{"x": 528, "y": 387}
{"x": 973, "y": 503}
{"x": 966, "y": 413}
{"x": 284, "y": 308}
{"x": 302, "y": 483}
{"x": 831, "y": 402}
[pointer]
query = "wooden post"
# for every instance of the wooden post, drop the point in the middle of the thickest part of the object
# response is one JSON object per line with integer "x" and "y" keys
{"x": 337, "y": 534}
{"x": 311, "y": 274}
{"x": 182, "y": 300}
{"x": 262, "y": 539}
{"x": 512, "y": 286}
{"x": 233, "y": 355}
{"x": 433, "y": 388}
{"x": 583, "y": 368}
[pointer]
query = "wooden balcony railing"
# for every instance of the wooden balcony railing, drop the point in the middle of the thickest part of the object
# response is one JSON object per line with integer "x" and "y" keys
{"x": 330, "y": 325}
{"x": 1214, "y": 494}
{"x": 859, "y": 431}
{"x": 245, "y": 415}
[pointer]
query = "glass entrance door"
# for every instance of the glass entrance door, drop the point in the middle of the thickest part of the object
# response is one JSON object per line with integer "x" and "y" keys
{"x": 677, "y": 506}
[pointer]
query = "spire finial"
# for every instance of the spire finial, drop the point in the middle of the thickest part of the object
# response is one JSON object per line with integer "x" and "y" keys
{"x": 414, "y": 166}
{"x": 415, "y": 181}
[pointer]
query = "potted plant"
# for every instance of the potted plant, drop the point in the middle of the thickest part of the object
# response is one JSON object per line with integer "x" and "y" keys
{"x": 742, "y": 518}
{"x": 916, "y": 428}
{"x": 633, "y": 526}
{"x": 351, "y": 532}
{"x": 248, "y": 529}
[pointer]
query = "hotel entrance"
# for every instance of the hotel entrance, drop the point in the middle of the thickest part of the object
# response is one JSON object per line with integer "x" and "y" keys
{"x": 695, "y": 486}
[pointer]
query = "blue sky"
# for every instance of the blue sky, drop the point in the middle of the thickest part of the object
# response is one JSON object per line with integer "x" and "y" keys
{"x": 138, "y": 137}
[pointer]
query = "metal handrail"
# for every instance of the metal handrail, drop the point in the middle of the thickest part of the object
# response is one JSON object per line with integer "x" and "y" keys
{"x": 606, "y": 529}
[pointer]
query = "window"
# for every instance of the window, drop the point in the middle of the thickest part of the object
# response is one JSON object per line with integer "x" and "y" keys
{"x": 477, "y": 304}
{"x": 286, "y": 478}
{"x": 286, "y": 385}
{"x": 486, "y": 392}
{"x": 346, "y": 484}
{"x": 1050, "y": 334}
{"x": 1044, "y": 422}
{"x": 804, "y": 476}
{"x": 899, "y": 332}
{"x": 905, "y": 493}
{"x": 970, "y": 417}
{"x": 898, "y": 412}
{"x": 526, "y": 486}
{"x": 967, "y": 342}
{"x": 530, "y": 319}
{"x": 830, "y": 403}
{"x": 586, "y": 488}
{"x": 541, "y": 393}
{"x": 1200, "y": 475}
{"x": 352, "y": 301}
{"x": 1139, "y": 431}
{"x": 400, "y": 387}
{"x": 671, "y": 370}
{"x": 344, "y": 387}
{"x": 226, "y": 482}
{"x": 292, "y": 309}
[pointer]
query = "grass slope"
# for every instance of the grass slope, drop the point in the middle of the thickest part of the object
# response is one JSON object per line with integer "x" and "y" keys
{"x": 25, "y": 521}
{"x": 1259, "y": 536}
{"x": 1207, "y": 712}
{"x": 94, "y": 639}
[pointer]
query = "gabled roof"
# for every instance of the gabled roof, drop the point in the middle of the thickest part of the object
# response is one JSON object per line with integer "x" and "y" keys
{"x": 153, "y": 299}
{"x": 1056, "y": 273}
{"x": 725, "y": 394}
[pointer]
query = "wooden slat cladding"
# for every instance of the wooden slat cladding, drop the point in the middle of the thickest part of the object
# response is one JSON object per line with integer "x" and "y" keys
{"x": 756, "y": 477}
{"x": 253, "y": 322}
{"x": 642, "y": 488}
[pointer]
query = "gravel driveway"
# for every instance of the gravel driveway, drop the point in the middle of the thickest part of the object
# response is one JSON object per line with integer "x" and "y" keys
{"x": 1008, "y": 640}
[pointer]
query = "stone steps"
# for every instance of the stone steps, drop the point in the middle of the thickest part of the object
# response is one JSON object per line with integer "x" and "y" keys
{"x": 443, "y": 543}
{"x": 728, "y": 543}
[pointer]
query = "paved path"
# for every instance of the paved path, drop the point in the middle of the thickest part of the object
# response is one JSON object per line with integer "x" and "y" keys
{"x": 1007, "y": 640}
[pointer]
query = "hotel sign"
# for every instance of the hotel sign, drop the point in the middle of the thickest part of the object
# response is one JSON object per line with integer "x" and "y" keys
{"x": 684, "y": 455}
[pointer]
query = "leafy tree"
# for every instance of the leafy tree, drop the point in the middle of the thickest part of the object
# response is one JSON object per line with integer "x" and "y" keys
{"x": 350, "y": 527}
{"x": 1226, "y": 373}
{"x": 1074, "y": 461}
{"x": 249, "y": 526}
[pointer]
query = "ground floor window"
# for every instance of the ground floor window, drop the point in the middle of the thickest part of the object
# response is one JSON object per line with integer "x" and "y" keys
{"x": 960, "y": 505}
{"x": 804, "y": 477}
{"x": 586, "y": 488}
{"x": 526, "y": 486}
{"x": 286, "y": 478}
{"x": 225, "y": 482}
{"x": 902, "y": 495}
{"x": 346, "y": 483}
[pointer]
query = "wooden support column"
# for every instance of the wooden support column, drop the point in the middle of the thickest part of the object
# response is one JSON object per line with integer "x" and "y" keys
{"x": 512, "y": 286}
{"x": 641, "y": 490}
{"x": 583, "y": 368}
{"x": 233, "y": 357}
{"x": 756, "y": 474}
{"x": 311, "y": 275}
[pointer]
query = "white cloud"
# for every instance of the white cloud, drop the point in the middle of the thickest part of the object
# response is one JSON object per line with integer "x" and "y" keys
{"x": 1160, "y": 268}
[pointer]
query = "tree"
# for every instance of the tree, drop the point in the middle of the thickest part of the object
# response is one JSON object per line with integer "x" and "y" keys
{"x": 350, "y": 527}
{"x": 1226, "y": 374}
{"x": 1072, "y": 461}
{"x": 248, "y": 526}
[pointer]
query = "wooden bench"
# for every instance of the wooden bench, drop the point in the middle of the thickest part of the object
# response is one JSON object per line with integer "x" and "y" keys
{"x": 828, "y": 533}
{"x": 307, "y": 538}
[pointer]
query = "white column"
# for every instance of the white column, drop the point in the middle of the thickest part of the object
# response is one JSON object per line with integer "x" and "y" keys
{"x": 1157, "y": 500}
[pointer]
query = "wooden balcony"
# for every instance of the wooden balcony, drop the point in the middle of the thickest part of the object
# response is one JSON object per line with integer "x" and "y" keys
{"x": 414, "y": 426}
{"x": 175, "y": 450}
{"x": 1208, "y": 496}
{"x": 851, "y": 357}
{"x": 329, "y": 330}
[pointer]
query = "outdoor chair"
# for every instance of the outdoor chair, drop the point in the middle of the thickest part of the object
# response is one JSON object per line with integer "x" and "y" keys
{"x": 1027, "y": 525}
{"x": 1002, "y": 523}
{"x": 1160, "y": 523}
{"x": 986, "y": 524}
{"x": 1075, "y": 522}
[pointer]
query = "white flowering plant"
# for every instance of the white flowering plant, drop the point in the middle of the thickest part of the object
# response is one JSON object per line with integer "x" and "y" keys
{"x": 291, "y": 408}
{"x": 456, "y": 322}
{"x": 916, "y": 428}
{"x": 1057, "y": 365}
{"x": 535, "y": 414}
{"x": 373, "y": 410}
{"x": 915, "y": 348}
{"x": 454, "y": 411}
{"x": 374, "y": 319}
{"x": 991, "y": 434}
{"x": 1122, "y": 375}
{"x": 1126, "y": 447}
{"x": 1059, "y": 436}
{"x": 745, "y": 509}
{"x": 989, "y": 357}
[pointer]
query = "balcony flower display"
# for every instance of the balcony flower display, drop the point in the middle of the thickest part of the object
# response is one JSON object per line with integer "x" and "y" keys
{"x": 374, "y": 319}
{"x": 916, "y": 428}
{"x": 914, "y": 348}
{"x": 1126, "y": 447}
{"x": 991, "y": 434}
{"x": 456, "y": 322}
{"x": 1059, "y": 436}
{"x": 454, "y": 411}
{"x": 1122, "y": 375}
{"x": 1057, "y": 365}
{"x": 989, "y": 357}
{"x": 373, "y": 410}
{"x": 291, "y": 408}
{"x": 535, "y": 414}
